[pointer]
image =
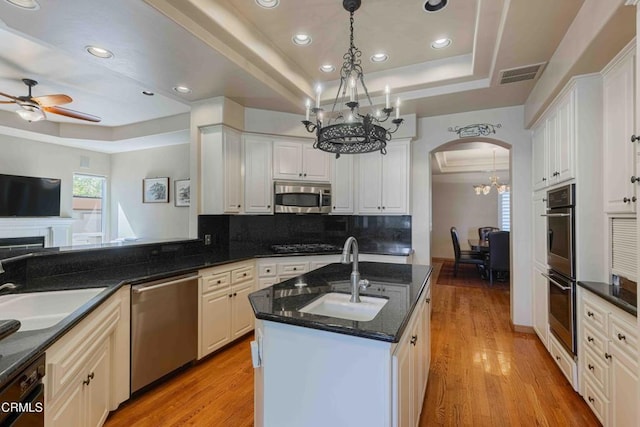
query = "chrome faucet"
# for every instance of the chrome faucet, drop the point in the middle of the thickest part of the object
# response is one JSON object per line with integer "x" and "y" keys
{"x": 351, "y": 244}
{"x": 8, "y": 286}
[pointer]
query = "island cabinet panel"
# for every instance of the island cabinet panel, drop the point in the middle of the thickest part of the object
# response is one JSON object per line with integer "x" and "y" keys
{"x": 224, "y": 311}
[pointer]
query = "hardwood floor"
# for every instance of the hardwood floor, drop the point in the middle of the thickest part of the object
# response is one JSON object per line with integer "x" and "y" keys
{"x": 482, "y": 373}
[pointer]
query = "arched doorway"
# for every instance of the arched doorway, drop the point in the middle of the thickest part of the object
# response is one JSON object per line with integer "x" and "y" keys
{"x": 470, "y": 188}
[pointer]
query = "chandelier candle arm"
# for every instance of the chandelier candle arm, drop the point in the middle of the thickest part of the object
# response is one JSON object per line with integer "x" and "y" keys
{"x": 352, "y": 131}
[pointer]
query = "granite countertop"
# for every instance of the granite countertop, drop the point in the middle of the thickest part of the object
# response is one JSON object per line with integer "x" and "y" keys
{"x": 402, "y": 284}
{"x": 616, "y": 295}
{"x": 7, "y": 327}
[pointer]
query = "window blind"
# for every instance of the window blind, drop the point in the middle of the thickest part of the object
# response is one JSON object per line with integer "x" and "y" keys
{"x": 624, "y": 247}
{"x": 504, "y": 211}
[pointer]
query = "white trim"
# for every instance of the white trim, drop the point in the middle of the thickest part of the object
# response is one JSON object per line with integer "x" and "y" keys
{"x": 55, "y": 230}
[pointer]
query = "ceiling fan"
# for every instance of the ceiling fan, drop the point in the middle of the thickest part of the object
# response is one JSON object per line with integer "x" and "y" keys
{"x": 33, "y": 108}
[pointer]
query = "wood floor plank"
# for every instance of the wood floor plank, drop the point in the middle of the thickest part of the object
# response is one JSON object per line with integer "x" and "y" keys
{"x": 482, "y": 373}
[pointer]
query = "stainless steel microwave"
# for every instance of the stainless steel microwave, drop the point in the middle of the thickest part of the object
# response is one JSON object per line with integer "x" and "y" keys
{"x": 302, "y": 197}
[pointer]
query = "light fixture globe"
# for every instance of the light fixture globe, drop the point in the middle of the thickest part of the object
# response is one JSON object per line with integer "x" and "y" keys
{"x": 351, "y": 130}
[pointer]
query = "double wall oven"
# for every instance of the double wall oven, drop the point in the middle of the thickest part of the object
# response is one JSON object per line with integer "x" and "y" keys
{"x": 561, "y": 260}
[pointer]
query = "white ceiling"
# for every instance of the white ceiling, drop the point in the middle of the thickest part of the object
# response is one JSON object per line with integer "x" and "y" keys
{"x": 236, "y": 49}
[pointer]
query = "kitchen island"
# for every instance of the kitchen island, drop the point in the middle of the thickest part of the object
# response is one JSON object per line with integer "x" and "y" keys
{"x": 317, "y": 370}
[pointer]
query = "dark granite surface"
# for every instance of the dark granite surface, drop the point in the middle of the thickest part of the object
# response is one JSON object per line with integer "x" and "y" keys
{"x": 402, "y": 284}
{"x": 7, "y": 327}
{"x": 616, "y": 295}
{"x": 99, "y": 267}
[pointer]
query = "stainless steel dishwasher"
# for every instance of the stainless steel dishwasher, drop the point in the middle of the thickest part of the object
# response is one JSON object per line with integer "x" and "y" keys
{"x": 164, "y": 328}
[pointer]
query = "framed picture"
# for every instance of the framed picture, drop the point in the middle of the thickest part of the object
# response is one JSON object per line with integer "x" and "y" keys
{"x": 155, "y": 190}
{"x": 182, "y": 194}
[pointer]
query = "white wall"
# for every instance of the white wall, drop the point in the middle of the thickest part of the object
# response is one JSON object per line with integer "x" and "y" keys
{"x": 433, "y": 132}
{"x": 132, "y": 218}
{"x": 455, "y": 204}
{"x": 26, "y": 157}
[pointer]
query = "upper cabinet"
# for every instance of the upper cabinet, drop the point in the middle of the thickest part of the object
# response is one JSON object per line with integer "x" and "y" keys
{"x": 299, "y": 161}
{"x": 383, "y": 180}
{"x": 619, "y": 118}
{"x": 258, "y": 185}
{"x": 342, "y": 185}
{"x": 554, "y": 139}
{"x": 221, "y": 170}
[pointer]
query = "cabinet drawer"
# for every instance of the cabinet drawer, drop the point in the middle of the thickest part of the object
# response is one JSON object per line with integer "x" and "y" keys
{"x": 242, "y": 274}
{"x": 594, "y": 316}
{"x": 594, "y": 340}
{"x": 597, "y": 371}
{"x": 598, "y": 404}
{"x": 623, "y": 336}
{"x": 291, "y": 268}
{"x": 215, "y": 282}
{"x": 267, "y": 270}
{"x": 563, "y": 360}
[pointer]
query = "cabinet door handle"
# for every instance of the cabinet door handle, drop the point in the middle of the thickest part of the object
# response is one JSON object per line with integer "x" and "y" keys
{"x": 295, "y": 268}
{"x": 244, "y": 274}
{"x": 590, "y": 313}
{"x": 622, "y": 337}
{"x": 230, "y": 295}
{"x": 626, "y": 200}
{"x": 218, "y": 282}
{"x": 634, "y": 179}
{"x": 544, "y": 179}
{"x": 590, "y": 339}
{"x": 633, "y": 199}
{"x": 635, "y": 138}
{"x": 607, "y": 356}
{"x": 414, "y": 339}
{"x": 591, "y": 399}
{"x": 378, "y": 207}
{"x": 304, "y": 174}
{"x": 268, "y": 270}
{"x": 591, "y": 367}
{"x": 428, "y": 300}
{"x": 235, "y": 294}
{"x": 268, "y": 206}
{"x": 384, "y": 207}
{"x": 299, "y": 174}
{"x": 558, "y": 358}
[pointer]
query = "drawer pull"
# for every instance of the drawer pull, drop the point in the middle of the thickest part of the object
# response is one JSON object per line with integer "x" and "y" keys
{"x": 218, "y": 282}
{"x": 622, "y": 337}
{"x": 634, "y": 138}
{"x": 414, "y": 339}
{"x": 244, "y": 275}
{"x": 591, "y": 367}
{"x": 590, "y": 313}
{"x": 590, "y": 339}
{"x": 230, "y": 295}
{"x": 607, "y": 356}
{"x": 235, "y": 294}
{"x": 591, "y": 399}
{"x": 268, "y": 270}
{"x": 295, "y": 268}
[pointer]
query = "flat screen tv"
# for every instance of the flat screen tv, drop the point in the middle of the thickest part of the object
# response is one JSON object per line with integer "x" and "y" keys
{"x": 29, "y": 196}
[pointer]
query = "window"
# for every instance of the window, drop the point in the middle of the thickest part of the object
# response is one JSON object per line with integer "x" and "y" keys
{"x": 504, "y": 211}
{"x": 88, "y": 203}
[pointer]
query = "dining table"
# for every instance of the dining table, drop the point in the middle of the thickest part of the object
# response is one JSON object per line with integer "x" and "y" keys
{"x": 479, "y": 245}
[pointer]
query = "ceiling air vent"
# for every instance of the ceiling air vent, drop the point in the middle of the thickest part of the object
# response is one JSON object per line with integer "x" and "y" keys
{"x": 529, "y": 72}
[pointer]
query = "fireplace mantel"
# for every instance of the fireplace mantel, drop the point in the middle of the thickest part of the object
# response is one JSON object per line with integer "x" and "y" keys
{"x": 55, "y": 230}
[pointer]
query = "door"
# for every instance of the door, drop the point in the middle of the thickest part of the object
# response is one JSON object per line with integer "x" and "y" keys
{"x": 232, "y": 171}
{"x": 216, "y": 315}
{"x": 258, "y": 187}
{"x": 342, "y": 186}
{"x": 97, "y": 391}
{"x": 395, "y": 179}
{"x": 316, "y": 164}
{"x": 403, "y": 403}
{"x": 539, "y": 166}
{"x": 241, "y": 311}
{"x": 565, "y": 141}
{"x": 287, "y": 160}
{"x": 541, "y": 306}
{"x": 370, "y": 183}
{"x": 561, "y": 310}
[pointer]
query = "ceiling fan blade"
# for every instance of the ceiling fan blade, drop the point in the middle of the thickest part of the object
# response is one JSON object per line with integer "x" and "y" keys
{"x": 70, "y": 113}
{"x": 7, "y": 102}
{"x": 52, "y": 100}
{"x": 9, "y": 96}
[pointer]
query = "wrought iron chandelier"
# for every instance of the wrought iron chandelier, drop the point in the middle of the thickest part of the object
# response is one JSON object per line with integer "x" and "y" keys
{"x": 493, "y": 182}
{"x": 351, "y": 130}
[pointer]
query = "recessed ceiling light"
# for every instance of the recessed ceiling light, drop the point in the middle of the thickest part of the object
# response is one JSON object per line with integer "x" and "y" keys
{"x": 268, "y": 4}
{"x": 301, "y": 39}
{"x": 434, "y": 5}
{"x": 25, "y": 4}
{"x": 327, "y": 68}
{"x": 182, "y": 89}
{"x": 148, "y": 93}
{"x": 379, "y": 57}
{"x": 99, "y": 52}
{"x": 441, "y": 43}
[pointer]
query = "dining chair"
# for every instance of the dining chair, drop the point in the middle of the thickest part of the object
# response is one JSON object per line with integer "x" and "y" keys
{"x": 498, "y": 258}
{"x": 465, "y": 257}
{"x": 483, "y": 232}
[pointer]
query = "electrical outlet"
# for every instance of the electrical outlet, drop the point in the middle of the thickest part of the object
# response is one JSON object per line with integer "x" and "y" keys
{"x": 207, "y": 239}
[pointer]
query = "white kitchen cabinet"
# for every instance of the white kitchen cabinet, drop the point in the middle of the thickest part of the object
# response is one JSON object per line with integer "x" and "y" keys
{"x": 608, "y": 346}
{"x": 221, "y": 180}
{"x": 618, "y": 122}
{"x": 540, "y": 229}
{"x": 88, "y": 368}
{"x": 342, "y": 188}
{"x": 539, "y": 156}
{"x": 258, "y": 182}
{"x": 224, "y": 311}
{"x": 299, "y": 161}
{"x": 383, "y": 180}
{"x": 541, "y": 306}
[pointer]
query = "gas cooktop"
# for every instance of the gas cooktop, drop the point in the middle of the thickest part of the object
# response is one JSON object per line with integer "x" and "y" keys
{"x": 304, "y": 248}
